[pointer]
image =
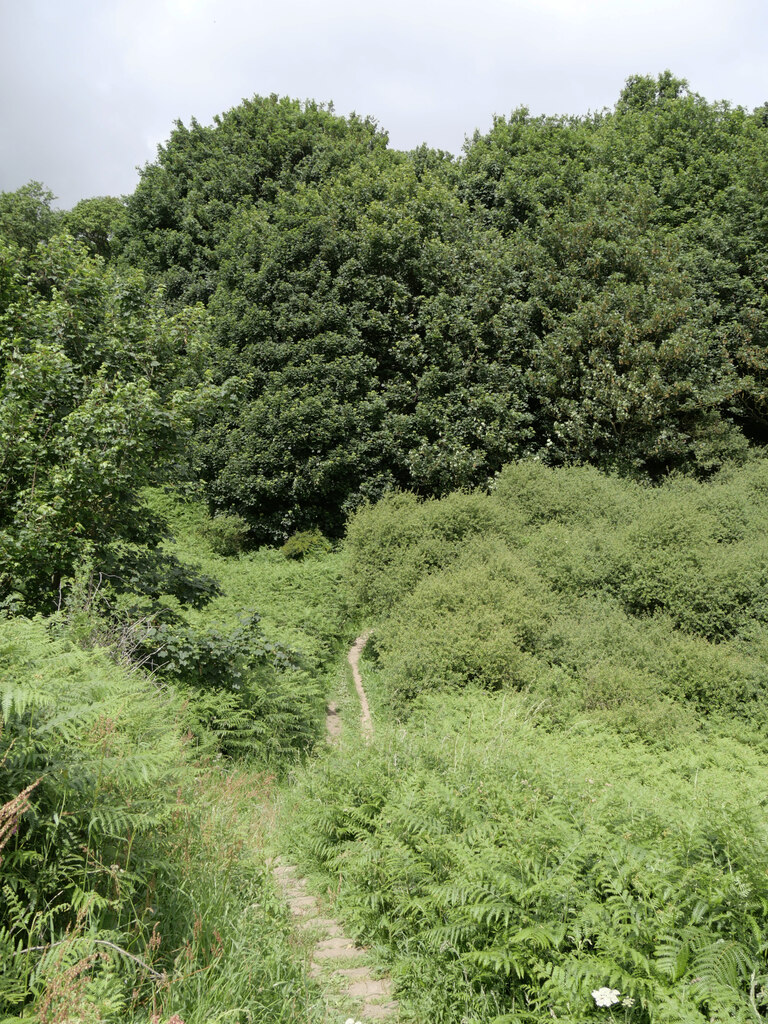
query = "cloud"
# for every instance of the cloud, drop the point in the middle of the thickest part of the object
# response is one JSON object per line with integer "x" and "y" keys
{"x": 89, "y": 88}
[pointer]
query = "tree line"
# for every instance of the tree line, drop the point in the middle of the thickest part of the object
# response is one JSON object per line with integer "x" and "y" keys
{"x": 305, "y": 319}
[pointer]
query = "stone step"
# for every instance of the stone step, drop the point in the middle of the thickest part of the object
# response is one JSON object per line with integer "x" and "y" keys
{"x": 332, "y": 929}
{"x": 335, "y": 946}
{"x": 355, "y": 973}
{"x": 378, "y": 1011}
{"x": 364, "y": 988}
{"x": 336, "y": 949}
{"x": 303, "y": 905}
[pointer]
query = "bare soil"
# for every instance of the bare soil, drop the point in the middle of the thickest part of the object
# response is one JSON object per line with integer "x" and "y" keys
{"x": 366, "y": 723}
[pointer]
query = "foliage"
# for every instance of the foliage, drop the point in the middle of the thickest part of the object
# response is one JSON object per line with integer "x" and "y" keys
{"x": 298, "y": 601}
{"x": 593, "y": 592}
{"x": 508, "y": 870}
{"x": 352, "y": 318}
{"x": 133, "y": 883}
{"x": 569, "y": 796}
{"x": 182, "y": 206}
{"x": 86, "y": 417}
{"x": 307, "y": 542}
{"x": 103, "y": 752}
{"x": 253, "y": 694}
{"x": 95, "y": 222}
{"x": 227, "y": 534}
{"x": 584, "y": 290}
{"x": 26, "y": 217}
{"x": 563, "y": 790}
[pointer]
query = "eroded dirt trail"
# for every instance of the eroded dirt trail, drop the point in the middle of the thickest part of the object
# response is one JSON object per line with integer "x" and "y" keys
{"x": 335, "y": 959}
{"x": 366, "y": 723}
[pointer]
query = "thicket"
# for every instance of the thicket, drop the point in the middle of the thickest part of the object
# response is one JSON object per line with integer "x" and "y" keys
{"x": 507, "y": 870}
{"x": 567, "y": 796}
{"x": 90, "y": 412}
{"x": 131, "y": 883}
{"x": 93, "y": 408}
{"x": 133, "y": 880}
{"x": 635, "y": 602}
{"x": 576, "y": 289}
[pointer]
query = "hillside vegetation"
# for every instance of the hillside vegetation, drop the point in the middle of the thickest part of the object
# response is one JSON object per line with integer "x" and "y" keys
{"x": 346, "y": 319}
{"x": 566, "y": 791}
{"x": 505, "y": 410}
{"x": 582, "y": 289}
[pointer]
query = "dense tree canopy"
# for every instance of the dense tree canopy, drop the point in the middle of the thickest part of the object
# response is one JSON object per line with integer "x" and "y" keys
{"x": 574, "y": 289}
{"x": 579, "y": 289}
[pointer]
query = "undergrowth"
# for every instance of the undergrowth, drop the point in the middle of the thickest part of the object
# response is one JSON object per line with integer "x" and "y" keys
{"x": 565, "y": 793}
{"x": 508, "y": 870}
{"x": 133, "y": 878}
{"x": 297, "y": 599}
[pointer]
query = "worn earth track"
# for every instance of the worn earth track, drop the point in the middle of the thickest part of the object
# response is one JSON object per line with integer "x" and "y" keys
{"x": 335, "y": 959}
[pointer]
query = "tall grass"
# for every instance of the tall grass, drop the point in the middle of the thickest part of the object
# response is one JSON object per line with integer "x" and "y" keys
{"x": 133, "y": 877}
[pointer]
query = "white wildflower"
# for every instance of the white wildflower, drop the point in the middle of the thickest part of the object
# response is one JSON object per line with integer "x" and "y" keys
{"x": 628, "y": 1001}
{"x": 605, "y": 996}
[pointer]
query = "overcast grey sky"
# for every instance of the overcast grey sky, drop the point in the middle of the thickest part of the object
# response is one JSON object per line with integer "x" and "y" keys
{"x": 88, "y": 88}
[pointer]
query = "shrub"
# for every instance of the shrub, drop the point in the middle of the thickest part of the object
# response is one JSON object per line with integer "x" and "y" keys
{"x": 305, "y": 544}
{"x": 104, "y": 754}
{"x": 226, "y": 534}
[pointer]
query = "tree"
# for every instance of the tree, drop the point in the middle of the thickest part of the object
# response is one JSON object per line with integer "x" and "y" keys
{"x": 84, "y": 421}
{"x": 26, "y": 217}
{"x": 95, "y": 222}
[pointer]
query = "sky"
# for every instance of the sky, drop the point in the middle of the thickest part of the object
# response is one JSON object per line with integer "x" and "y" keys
{"x": 90, "y": 88}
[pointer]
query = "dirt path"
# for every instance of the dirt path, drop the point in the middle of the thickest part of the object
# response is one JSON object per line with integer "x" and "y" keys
{"x": 335, "y": 959}
{"x": 366, "y": 724}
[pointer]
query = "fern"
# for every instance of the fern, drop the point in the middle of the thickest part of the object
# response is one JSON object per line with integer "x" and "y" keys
{"x": 106, "y": 750}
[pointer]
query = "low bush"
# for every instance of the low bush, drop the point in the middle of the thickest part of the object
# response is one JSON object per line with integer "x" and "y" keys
{"x": 227, "y": 534}
{"x": 305, "y": 543}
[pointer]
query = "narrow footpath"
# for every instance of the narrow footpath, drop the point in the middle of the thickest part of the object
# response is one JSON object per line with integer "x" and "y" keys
{"x": 335, "y": 959}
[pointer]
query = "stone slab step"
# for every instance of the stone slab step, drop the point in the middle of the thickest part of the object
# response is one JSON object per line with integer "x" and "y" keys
{"x": 355, "y": 973}
{"x": 336, "y": 949}
{"x": 364, "y": 988}
{"x": 378, "y": 1011}
{"x": 303, "y": 905}
{"x": 332, "y": 929}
